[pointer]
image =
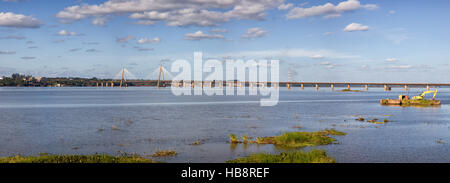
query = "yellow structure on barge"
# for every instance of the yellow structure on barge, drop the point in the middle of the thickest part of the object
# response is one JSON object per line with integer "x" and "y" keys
{"x": 403, "y": 100}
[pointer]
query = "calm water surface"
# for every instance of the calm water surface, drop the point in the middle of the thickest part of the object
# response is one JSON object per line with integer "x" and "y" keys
{"x": 144, "y": 120}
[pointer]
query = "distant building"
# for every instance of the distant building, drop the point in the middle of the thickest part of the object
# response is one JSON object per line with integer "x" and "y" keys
{"x": 38, "y": 79}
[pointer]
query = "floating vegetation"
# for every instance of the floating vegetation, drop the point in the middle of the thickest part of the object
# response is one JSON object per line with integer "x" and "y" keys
{"x": 234, "y": 139}
{"x": 297, "y": 127}
{"x": 360, "y": 119}
{"x": 313, "y": 156}
{"x": 96, "y": 158}
{"x": 164, "y": 153}
{"x": 198, "y": 142}
{"x": 349, "y": 90}
{"x": 300, "y": 139}
{"x": 375, "y": 121}
{"x": 114, "y": 127}
{"x": 245, "y": 139}
{"x": 440, "y": 141}
{"x": 100, "y": 129}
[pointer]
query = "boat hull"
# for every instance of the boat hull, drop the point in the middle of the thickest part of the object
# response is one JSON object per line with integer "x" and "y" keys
{"x": 410, "y": 102}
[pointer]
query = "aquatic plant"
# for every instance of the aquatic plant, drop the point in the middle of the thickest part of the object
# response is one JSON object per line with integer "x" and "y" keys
{"x": 233, "y": 138}
{"x": 313, "y": 156}
{"x": 300, "y": 139}
{"x": 164, "y": 153}
{"x": 96, "y": 158}
{"x": 245, "y": 139}
{"x": 360, "y": 119}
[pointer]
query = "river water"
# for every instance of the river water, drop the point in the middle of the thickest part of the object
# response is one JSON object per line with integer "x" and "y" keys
{"x": 143, "y": 120}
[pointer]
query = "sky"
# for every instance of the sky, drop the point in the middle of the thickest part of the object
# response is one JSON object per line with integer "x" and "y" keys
{"x": 321, "y": 40}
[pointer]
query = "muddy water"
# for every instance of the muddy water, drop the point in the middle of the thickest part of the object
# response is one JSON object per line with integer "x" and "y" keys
{"x": 144, "y": 120}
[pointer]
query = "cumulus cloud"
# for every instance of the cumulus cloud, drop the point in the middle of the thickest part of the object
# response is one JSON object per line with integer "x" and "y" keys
{"x": 9, "y": 19}
{"x": 200, "y": 35}
{"x": 189, "y": 12}
{"x": 100, "y": 21}
{"x": 285, "y": 6}
{"x": 391, "y": 60}
{"x": 147, "y": 40}
{"x": 355, "y": 27}
{"x": 125, "y": 39}
{"x": 255, "y": 32}
{"x": 328, "y": 10}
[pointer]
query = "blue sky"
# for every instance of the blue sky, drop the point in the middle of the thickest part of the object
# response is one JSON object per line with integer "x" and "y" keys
{"x": 323, "y": 40}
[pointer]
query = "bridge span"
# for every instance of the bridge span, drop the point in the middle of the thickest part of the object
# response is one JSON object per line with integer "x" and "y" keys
{"x": 301, "y": 85}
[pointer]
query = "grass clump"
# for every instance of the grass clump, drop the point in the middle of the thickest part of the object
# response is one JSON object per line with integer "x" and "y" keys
{"x": 300, "y": 139}
{"x": 96, "y": 158}
{"x": 164, "y": 153}
{"x": 313, "y": 156}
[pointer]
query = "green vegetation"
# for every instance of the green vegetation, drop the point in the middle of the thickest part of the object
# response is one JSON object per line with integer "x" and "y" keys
{"x": 164, "y": 153}
{"x": 313, "y": 156}
{"x": 300, "y": 139}
{"x": 97, "y": 158}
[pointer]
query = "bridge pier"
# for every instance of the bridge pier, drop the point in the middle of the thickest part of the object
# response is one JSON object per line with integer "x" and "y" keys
{"x": 302, "y": 87}
{"x": 428, "y": 87}
{"x": 367, "y": 87}
{"x": 348, "y": 87}
{"x": 332, "y": 87}
{"x": 288, "y": 86}
{"x": 406, "y": 87}
{"x": 317, "y": 87}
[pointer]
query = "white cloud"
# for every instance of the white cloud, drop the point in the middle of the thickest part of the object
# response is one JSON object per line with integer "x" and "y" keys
{"x": 316, "y": 56}
{"x": 18, "y": 20}
{"x": 392, "y": 12}
{"x": 327, "y": 33}
{"x": 100, "y": 21}
{"x": 200, "y": 35}
{"x": 285, "y": 6}
{"x": 175, "y": 13}
{"x": 255, "y": 32}
{"x": 391, "y": 60}
{"x": 289, "y": 53}
{"x": 125, "y": 39}
{"x": 355, "y": 27}
{"x": 147, "y": 40}
{"x": 67, "y": 33}
{"x": 328, "y": 10}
